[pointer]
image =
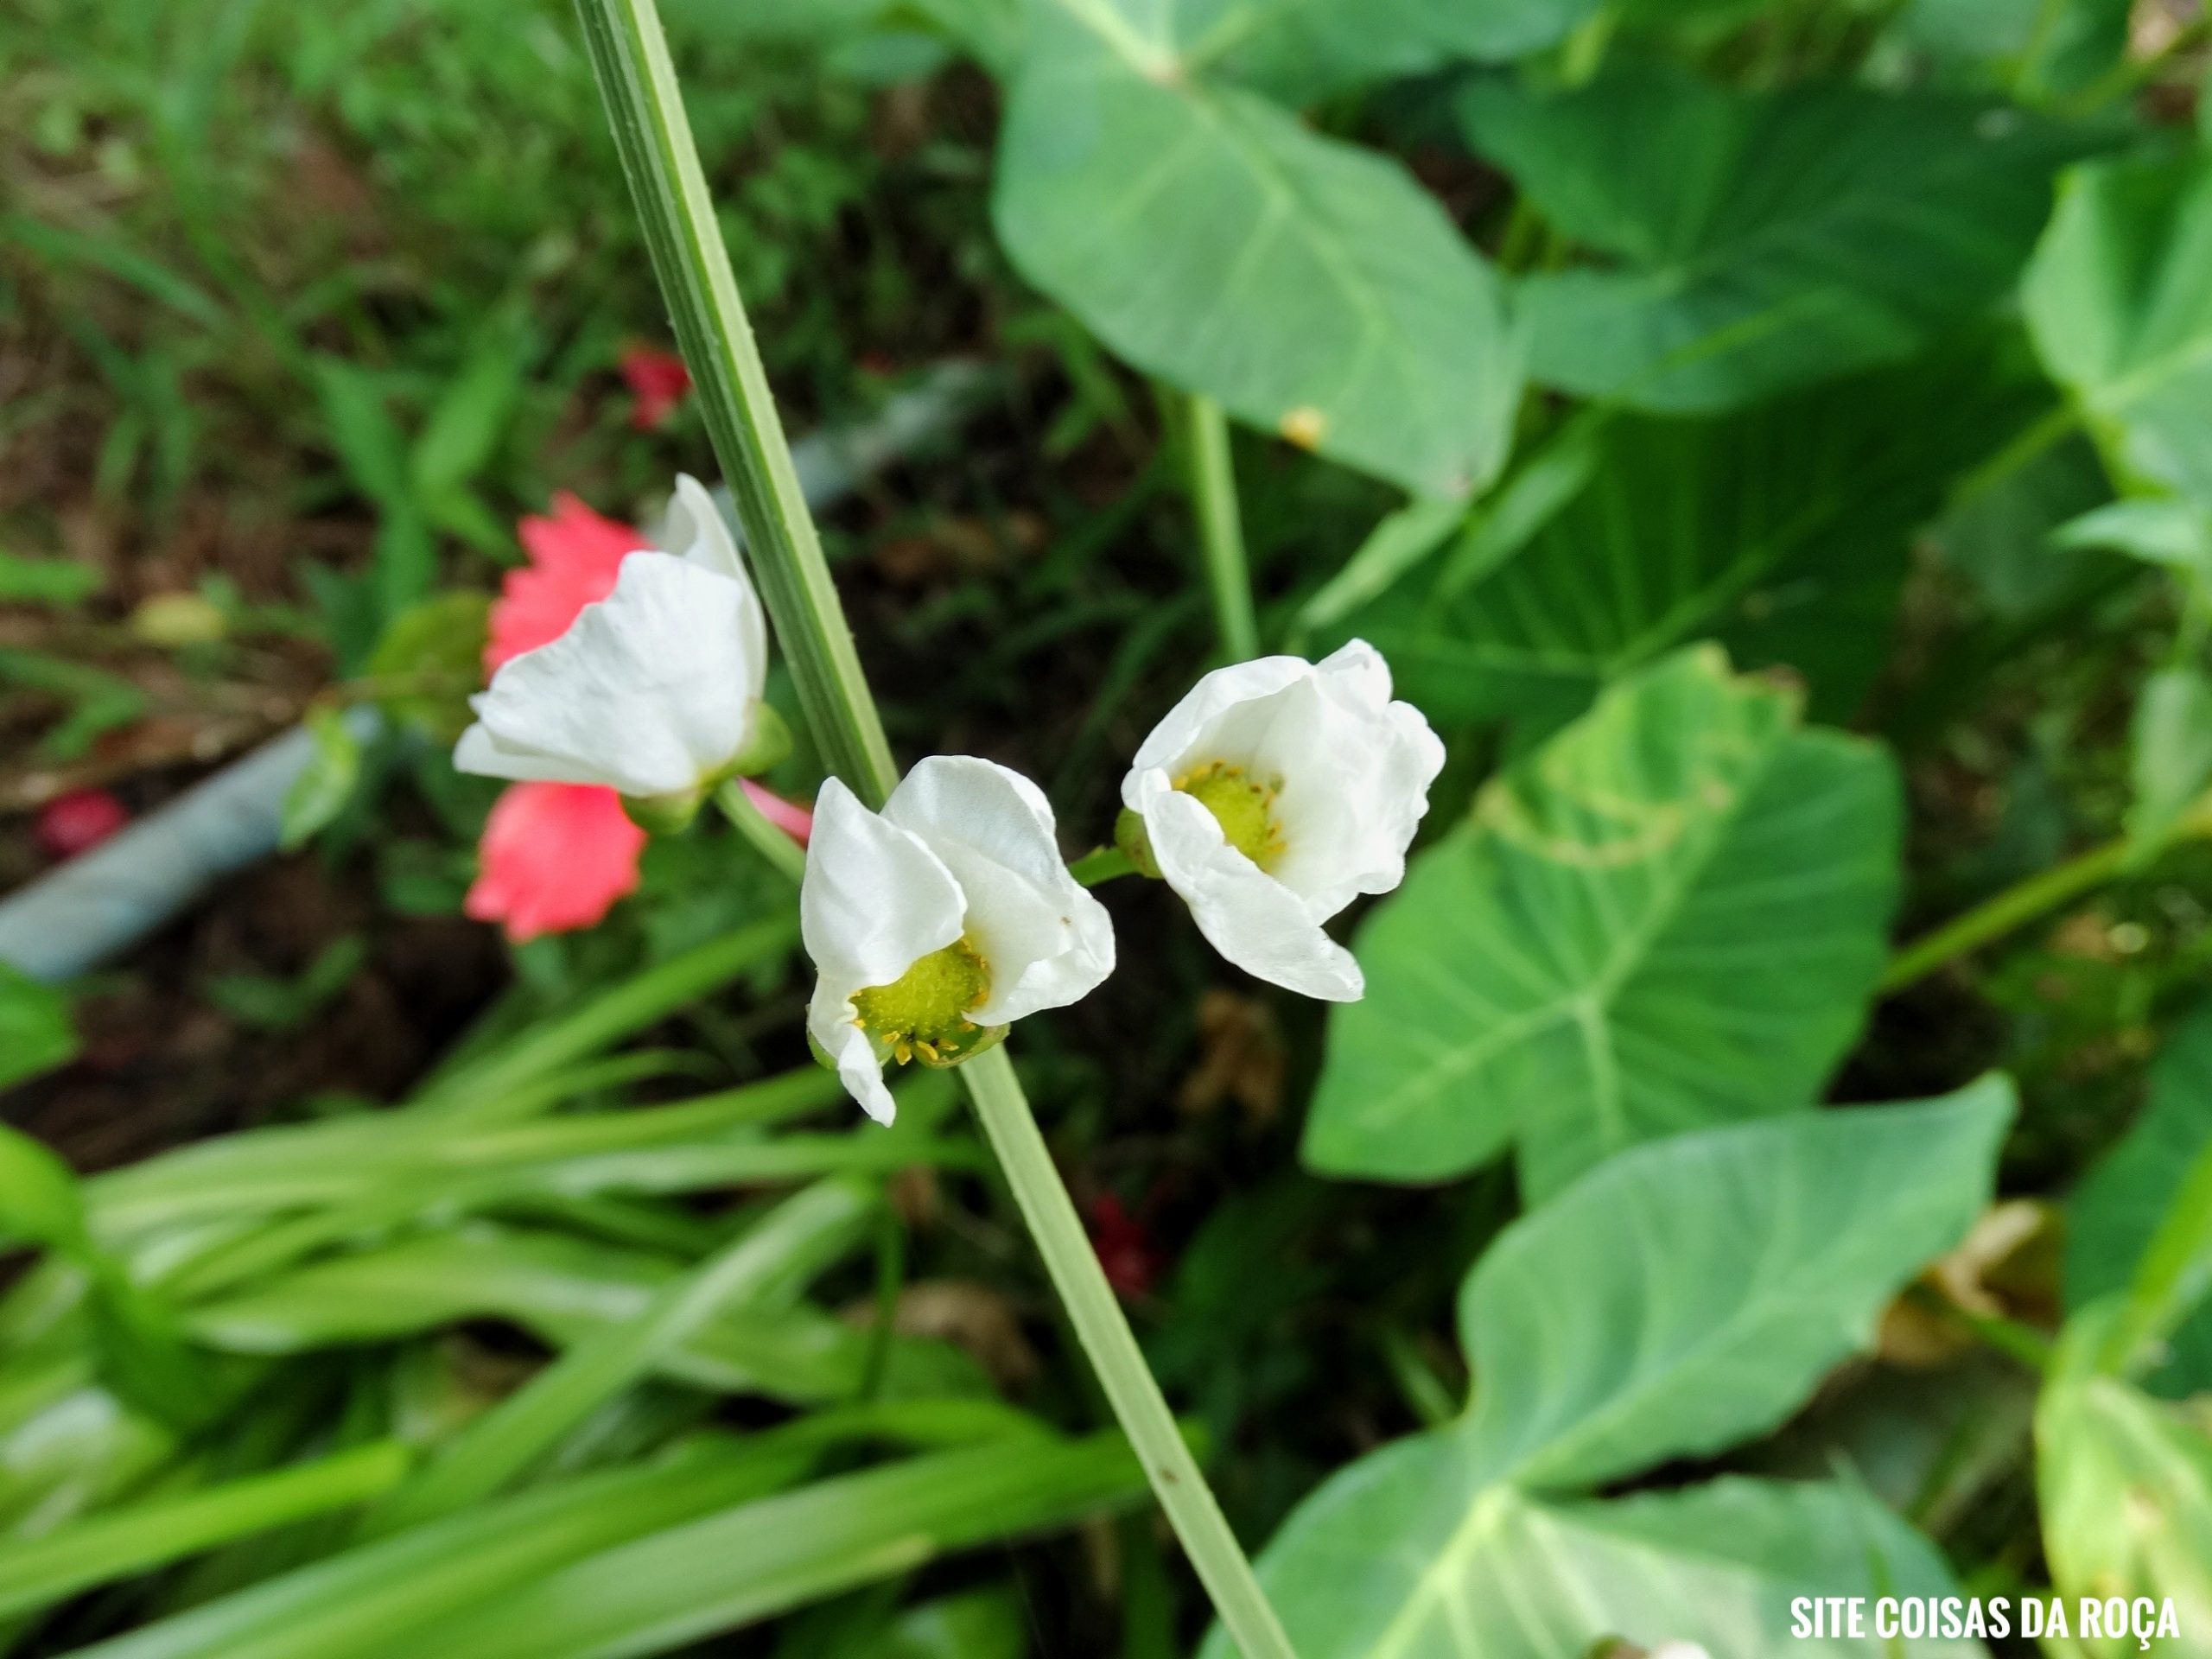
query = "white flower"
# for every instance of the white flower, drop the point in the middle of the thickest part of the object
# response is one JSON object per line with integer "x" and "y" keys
{"x": 654, "y": 690}
{"x": 935, "y": 923}
{"x": 1273, "y": 795}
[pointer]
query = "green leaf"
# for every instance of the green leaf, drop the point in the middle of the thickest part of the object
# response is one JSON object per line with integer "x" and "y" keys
{"x": 368, "y": 1601}
{"x": 1300, "y": 51}
{"x": 269, "y": 1002}
{"x": 1782, "y": 532}
{"x": 39, "y": 1202}
{"x": 37, "y": 1032}
{"x": 61, "y": 582}
{"x": 1755, "y": 1257}
{"x": 2128, "y": 1191}
{"x": 507, "y": 1438}
{"x": 470, "y": 417}
{"x": 565, "y": 1291}
{"x": 1761, "y": 241}
{"x": 987, "y": 1624}
{"x": 725, "y": 1571}
{"x": 2118, "y": 304}
{"x": 38, "y": 1572}
{"x": 2166, "y": 531}
{"x": 1669, "y": 916}
{"x": 1714, "y": 1278}
{"x": 95, "y": 700}
{"x": 319, "y": 794}
{"x": 1208, "y": 238}
{"x": 2038, "y": 45}
{"x": 2125, "y": 1485}
{"x": 2016, "y": 537}
{"x": 2170, "y": 757}
{"x": 430, "y": 658}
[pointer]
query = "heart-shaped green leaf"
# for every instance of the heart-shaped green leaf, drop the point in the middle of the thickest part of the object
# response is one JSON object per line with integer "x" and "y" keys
{"x": 1311, "y": 288}
{"x": 1669, "y": 916}
{"x": 2118, "y": 303}
{"x": 1715, "y": 1278}
{"x": 1761, "y": 241}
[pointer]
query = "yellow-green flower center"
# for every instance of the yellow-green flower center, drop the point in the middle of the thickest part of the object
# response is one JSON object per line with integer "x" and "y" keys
{"x": 1243, "y": 806}
{"x": 925, "y": 1010}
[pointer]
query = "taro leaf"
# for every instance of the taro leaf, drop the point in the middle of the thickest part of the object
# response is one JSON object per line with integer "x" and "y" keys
{"x": 2018, "y": 537}
{"x": 1669, "y": 916}
{"x": 2164, "y": 530}
{"x": 1301, "y": 50}
{"x": 2121, "y": 312}
{"x": 1205, "y": 235}
{"x": 2128, "y": 1194}
{"x": 1714, "y": 1278}
{"x": 2125, "y": 1485}
{"x": 1392, "y": 1560}
{"x": 1782, "y": 532}
{"x": 2041, "y": 45}
{"x": 2171, "y": 757}
{"x": 1754, "y": 1257}
{"x": 1761, "y": 241}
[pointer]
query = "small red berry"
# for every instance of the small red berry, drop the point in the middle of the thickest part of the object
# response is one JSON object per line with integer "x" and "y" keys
{"x": 79, "y": 821}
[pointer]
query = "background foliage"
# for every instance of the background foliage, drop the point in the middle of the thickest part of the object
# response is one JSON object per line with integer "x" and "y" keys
{"x": 1771, "y": 439}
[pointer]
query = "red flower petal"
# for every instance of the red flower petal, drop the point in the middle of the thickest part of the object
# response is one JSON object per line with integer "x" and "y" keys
{"x": 79, "y": 821}
{"x": 555, "y": 857}
{"x": 575, "y": 553}
{"x": 658, "y": 380}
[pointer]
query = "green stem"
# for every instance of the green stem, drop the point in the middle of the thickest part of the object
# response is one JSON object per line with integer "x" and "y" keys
{"x": 1073, "y": 1265}
{"x": 1221, "y": 531}
{"x": 2019, "y": 905}
{"x": 2026, "y": 901}
{"x": 1101, "y": 865}
{"x": 770, "y": 842}
{"x": 646, "y": 108}
{"x": 2054, "y": 425}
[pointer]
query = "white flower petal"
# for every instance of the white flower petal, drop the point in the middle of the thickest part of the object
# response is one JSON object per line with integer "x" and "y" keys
{"x": 875, "y": 901}
{"x": 695, "y": 531}
{"x": 1245, "y": 913}
{"x": 1184, "y": 730}
{"x": 1046, "y": 942}
{"x": 1351, "y": 771}
{"x": 860, "y": 1067}
{"x": 651, "y": 691}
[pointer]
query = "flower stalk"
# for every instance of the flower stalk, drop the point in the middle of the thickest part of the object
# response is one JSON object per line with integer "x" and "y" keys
{"x": 645, "y": 105}
{"x": 1221, "y": 529}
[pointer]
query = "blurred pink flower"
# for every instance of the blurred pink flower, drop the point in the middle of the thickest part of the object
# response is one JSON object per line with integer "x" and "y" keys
{"x": 554, "y": 857}
{"x": 80, "y": 820}
{"x": 657, "y": 380}
{"x": 575, "y": 553}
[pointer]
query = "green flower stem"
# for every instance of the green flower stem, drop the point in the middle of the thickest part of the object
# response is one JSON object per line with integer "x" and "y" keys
{"x": 773, "y": 844}
{"x": 1102, "y": 865}
{"x": 2024, "y": 902}
{"x": 1119, "y": 1364}
{"x": 646, "y": 108}
{"x": 1221, "y": 531}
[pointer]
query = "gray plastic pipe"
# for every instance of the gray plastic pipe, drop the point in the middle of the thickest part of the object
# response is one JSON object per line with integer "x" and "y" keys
{"x": 97, "y": 905}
